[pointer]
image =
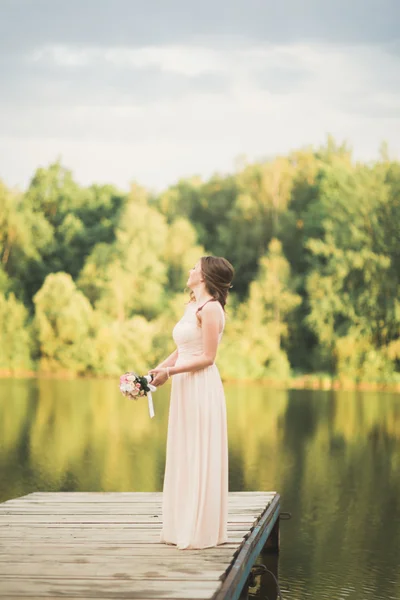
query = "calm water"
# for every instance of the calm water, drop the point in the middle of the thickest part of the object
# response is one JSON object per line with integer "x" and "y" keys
{"x": 333, "y": 456}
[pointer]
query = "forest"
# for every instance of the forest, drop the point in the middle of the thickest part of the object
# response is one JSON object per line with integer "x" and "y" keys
{"x": 92, "y": 279}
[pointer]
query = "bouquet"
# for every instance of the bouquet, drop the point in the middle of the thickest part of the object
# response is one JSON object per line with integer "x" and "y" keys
{"x": 134, "y": 386}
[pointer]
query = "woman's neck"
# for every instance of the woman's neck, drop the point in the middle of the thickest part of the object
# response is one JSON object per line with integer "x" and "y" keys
{"x": 201, "y": 296}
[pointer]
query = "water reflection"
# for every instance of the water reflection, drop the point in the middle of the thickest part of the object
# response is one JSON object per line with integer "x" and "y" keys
{"x": 333, "y": 456}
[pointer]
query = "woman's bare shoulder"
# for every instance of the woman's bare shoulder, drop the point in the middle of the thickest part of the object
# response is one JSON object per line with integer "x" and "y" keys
{"x": 212, "y": 308}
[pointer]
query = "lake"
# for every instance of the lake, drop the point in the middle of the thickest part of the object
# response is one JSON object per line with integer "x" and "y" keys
{"x": 333, "y": 456}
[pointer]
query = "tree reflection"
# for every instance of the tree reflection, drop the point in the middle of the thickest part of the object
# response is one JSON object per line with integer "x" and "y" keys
{"x": 333, "y": 456}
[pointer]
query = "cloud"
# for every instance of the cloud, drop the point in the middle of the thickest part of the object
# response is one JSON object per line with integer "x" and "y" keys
{"x": 26, "y": 24}
{"x": 161, "y": 103}
{"x": 188, "y": 61}
{"x": 125, "y": 79}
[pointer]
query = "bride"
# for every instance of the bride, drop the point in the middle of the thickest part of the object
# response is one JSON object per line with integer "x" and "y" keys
{"x": 195, "y": 492}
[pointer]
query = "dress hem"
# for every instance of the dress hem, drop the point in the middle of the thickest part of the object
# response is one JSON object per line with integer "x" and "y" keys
{"x": 189, "y": 547}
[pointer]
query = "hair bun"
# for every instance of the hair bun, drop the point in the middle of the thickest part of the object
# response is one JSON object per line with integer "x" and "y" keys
{"x": 218, "y": 274}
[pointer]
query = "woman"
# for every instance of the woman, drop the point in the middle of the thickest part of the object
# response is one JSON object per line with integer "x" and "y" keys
{"x": 195, "y": 495}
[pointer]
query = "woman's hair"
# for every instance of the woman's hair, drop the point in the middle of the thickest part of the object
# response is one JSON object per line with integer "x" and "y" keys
{"x": 218, "y": 274}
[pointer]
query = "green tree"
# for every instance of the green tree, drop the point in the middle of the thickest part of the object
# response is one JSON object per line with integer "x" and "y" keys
{"x": 261, "y": 322}
{"x": 352, "y": 286}
{"x": 23, "y": 235}
{"x": 333, "y": 221}
{"x": 15, "y": 342}
{"x": 181, "y": 252}
{"x": 78, "y": 219}
{"x": 63, "y": 321}
{"x": 271, "y": 297}
{"x": 128, "y": 277}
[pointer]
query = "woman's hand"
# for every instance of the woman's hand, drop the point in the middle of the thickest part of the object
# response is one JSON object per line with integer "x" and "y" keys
{"x": 160, "y": 376}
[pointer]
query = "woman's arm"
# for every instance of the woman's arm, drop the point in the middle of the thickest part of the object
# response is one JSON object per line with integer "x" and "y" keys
{"x": 210, "y": 320}
{"x": 169, "y": 361}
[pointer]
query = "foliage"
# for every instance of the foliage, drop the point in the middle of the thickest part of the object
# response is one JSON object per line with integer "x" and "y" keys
{"x": 15, "y": 343}
{"x": 93, "y": 279}
{"x": 260, "y": 322}
{"x": 63, "y": 320}
{"x": 352, "y": 285}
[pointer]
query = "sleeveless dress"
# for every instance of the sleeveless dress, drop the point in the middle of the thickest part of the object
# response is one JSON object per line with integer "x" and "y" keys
{"x": 195, "y": 492}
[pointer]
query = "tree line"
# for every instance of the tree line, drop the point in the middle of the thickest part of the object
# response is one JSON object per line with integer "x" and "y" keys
{"x": 92, "y": 279}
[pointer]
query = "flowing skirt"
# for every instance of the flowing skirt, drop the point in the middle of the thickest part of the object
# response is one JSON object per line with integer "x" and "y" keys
{"x": 195, "y": 494}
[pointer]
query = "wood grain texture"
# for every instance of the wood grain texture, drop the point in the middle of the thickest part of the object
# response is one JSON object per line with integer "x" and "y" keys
{"x": 105, "y": 545}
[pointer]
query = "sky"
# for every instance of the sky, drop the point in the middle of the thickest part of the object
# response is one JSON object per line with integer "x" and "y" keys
{"x": 156, "y": 90}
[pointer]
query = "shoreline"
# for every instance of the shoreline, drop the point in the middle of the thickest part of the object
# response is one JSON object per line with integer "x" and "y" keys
{"x": 302, "y": 382}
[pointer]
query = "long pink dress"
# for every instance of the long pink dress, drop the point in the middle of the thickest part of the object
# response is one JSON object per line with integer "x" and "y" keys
{"x": 195, "y": 494}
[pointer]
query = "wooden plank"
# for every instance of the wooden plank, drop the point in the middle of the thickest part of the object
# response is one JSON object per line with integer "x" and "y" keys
{"x": 138, "y": 495}
{"x": 123, "y": 509}
{"x": 119, "y": 497}
{"x": 106, "y": 545}
{"x": 141, "y": 560}
{"x": 103, "y": 538}
{"x": 92, "y": 549}
{"x": 83, "y": 554}
{"x": 115, "y": 588}
{"x": 82, "y": 508}
{"x": 100, "y": 518}
{"x": 124, "y": 497}
{"x": 237, "y": 576}
{"x": 121, "y": 568}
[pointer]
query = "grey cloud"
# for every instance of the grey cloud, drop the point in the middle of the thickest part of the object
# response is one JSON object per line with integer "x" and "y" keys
{"x": 283, "y": 80}
{"x": 43, "y": 102}
{"x": 370, "y": 107}
{"x": 98, "y": 85}
{"x": 27, "y": 24}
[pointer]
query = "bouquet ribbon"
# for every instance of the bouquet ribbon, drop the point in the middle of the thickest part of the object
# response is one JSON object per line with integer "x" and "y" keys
{"x": 149, "y": 396}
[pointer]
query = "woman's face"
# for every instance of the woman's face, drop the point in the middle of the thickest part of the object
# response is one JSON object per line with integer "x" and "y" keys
{"x": 195, "y": 275}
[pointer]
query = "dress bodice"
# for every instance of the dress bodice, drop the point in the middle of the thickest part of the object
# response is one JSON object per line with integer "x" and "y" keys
{"x": 187, "y": 333}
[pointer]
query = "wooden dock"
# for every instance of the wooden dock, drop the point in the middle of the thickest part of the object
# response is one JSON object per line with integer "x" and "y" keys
{"x": 105, "y": 545}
